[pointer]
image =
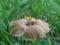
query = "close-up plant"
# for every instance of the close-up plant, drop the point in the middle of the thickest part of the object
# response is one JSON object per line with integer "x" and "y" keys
{"x": 29, "y": 22}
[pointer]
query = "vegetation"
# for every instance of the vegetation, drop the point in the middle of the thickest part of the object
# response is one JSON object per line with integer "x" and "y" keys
{"x": 47, "y": 10}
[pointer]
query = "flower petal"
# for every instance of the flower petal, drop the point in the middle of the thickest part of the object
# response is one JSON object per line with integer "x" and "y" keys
{"x": 34, "y": 32}
{"x": 43, "y": 24}
{"x": 18, "y": 30}
{"x": 33, "y": 20}
{"x": 21, "y": 21}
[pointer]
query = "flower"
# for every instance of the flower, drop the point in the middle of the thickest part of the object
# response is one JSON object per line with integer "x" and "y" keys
{"x": 32, "y": 28}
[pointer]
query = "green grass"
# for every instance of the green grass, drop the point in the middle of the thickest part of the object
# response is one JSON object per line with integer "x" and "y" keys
{"x": 47, "y": 10}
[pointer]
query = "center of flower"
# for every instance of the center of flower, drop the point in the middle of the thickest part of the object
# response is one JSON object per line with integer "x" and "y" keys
{"x": 29, "y": 22}
{"x": 28, "y": 17}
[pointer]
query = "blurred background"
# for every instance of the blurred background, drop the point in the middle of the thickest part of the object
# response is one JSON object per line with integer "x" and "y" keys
{"x": 47, "y": 10}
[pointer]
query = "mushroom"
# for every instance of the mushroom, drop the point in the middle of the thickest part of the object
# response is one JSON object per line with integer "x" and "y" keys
{"x": 32, "y": 28}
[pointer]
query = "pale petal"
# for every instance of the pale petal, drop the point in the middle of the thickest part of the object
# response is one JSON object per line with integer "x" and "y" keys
{"x": 34, "y": 32}
{"x": 43, "y": 24}
{"x": 18, "y": 30}
{"x": 33, "y": 20}
{"x": 21, "y": 21}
